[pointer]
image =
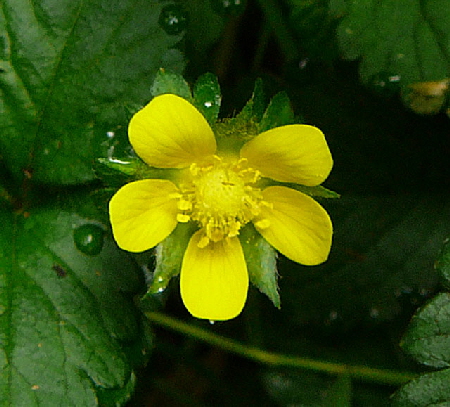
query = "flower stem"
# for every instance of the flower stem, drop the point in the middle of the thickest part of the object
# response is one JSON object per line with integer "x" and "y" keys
{"x": 363, "y": 373}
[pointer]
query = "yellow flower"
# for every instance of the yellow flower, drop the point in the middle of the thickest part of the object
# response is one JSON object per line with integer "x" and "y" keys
{"x": 221, "y": 191}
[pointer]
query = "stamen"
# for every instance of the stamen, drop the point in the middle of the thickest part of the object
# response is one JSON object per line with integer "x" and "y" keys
{"x": 182, "y": 218}
{"x": 263, "y": 223}
{"x": 220, "y": 197}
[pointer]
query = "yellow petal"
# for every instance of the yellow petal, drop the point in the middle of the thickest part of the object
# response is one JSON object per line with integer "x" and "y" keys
{"x": 143, "y": 213}
{"x": 295, "y": 153}
{"x": 297, "y": 226}
{"x": 214, "y": 279}
{"x": 171, "y": 133}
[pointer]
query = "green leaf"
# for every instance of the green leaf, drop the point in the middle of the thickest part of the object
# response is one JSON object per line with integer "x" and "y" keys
{"x": 67, "y": 66}
{"x": 428, "y": 390}
{"x": 207, "y": 96}
{"x": 170, "y": 82}
{"x": 408, "y": 39}
{"x": 428, "y": 335}
{"x": 443, "y": 263}
{"x": 65, "y": 312}
{"x": 261, "y": 263}
{"x": 278, "y": 113}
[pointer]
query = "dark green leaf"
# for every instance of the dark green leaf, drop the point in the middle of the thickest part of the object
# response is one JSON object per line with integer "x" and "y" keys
{"x": 207, "y": 96}
{"x": 65, "y": 312}
{"x": 116, "y": 397}
{"x": 443, "y": 263}
{"x": 261, "y": 263}
{"x": 428, "y": 390}
{"x": 428, "y": 335}
{"x": 67, "y": 65}
{"x": 407, "y": 39}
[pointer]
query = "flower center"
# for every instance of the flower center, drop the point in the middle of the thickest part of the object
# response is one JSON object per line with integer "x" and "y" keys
{"x": 220, "y": 197}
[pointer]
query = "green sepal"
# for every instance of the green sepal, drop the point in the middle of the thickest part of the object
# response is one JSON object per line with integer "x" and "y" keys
{"x": 278, "y": 113}
{"x": 169, "y": 256}
{"x": 428, "y": 336}
{"x": 317, "y": 191}
{"x": 443, "y": 264}
{"x": 115, "y": 172}
{"x": 261, "y": 263}
{"x": 207, "y": 96}
{"x": 129, "y": 167}
{"x": 255, "y": 107}
{"x": 233, "y": 133}
{"x": 170, "y": 82}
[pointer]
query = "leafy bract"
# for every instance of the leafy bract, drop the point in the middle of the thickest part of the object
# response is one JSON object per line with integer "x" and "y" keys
{"x": 65, "y": 312}
{"x": 67, "y": 66}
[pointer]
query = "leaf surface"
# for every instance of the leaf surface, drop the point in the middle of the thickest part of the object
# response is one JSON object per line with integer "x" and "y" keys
{"x": 64, "y": 311}
{"x": 67, "y": 66}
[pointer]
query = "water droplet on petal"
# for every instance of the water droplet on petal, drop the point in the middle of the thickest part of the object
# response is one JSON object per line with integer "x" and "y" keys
{"x": 173, "y": 19}
{"x": 89, "y": 238}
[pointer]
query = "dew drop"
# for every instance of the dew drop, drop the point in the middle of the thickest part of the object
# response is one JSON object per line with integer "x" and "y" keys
{"x": 173, "y": 19}
{"x": 385, "y": 83}
{"x": 89, "y": 238}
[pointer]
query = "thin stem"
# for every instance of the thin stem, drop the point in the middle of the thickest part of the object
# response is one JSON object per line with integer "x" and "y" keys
{"x": 364, "y": 373}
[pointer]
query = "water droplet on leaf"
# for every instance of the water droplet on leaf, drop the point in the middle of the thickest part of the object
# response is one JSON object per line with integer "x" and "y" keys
{"x": 89, "y": 238}
{"x": 385, "y": 83}
{"x": 173, "y": 19}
